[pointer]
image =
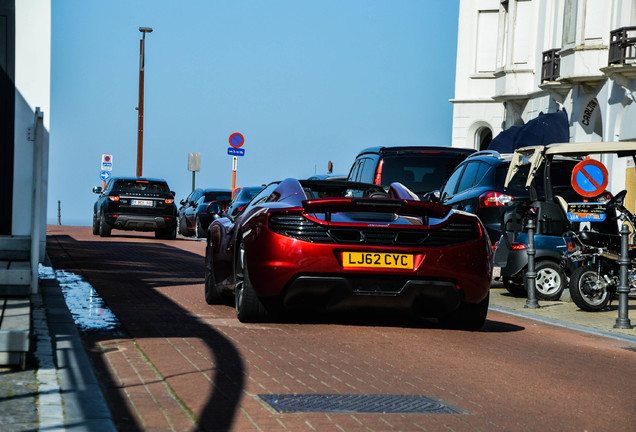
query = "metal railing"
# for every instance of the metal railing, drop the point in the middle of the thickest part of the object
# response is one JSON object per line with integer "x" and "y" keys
{"x": 622, "y": 45}
{"x": 551, "y": 65}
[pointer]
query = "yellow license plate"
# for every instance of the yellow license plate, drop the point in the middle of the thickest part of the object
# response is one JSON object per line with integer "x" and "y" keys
{"x": 377, "y": 260}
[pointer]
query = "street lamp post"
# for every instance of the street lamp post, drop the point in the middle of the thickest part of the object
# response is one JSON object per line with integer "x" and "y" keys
{"x": 140, "y": 108}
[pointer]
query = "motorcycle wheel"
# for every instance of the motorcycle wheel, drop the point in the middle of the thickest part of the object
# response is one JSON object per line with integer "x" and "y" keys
{"x": 587, "y": 291}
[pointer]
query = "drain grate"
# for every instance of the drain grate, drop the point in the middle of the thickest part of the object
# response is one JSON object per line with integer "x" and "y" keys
{"x": 352, "y": 403}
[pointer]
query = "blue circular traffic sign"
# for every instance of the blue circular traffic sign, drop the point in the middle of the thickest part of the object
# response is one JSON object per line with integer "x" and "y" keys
{"x": 104, "y": 175}
{"x": 589, "y": 178}
{"x": 236, "y": 140}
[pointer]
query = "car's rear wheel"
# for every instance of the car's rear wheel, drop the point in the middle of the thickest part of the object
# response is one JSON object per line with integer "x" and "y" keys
{"x": 104, "y": 227}
{"x": 166, "y": 233}
{"x": 469, "y": 316}
{"x": 95, "y": 225}
{"x": 249, "y": 307}
{"x": 550, "y": 282}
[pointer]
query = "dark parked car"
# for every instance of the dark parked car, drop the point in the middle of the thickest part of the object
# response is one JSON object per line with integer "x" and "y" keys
{"x": 242, "y": 196}
{"x": 421, "y": 169}
{"x": 196, "y": 212}
{"x": 477, "y": 186}
{"x": 135, "y": 204}
{"x": 336, "y": 245}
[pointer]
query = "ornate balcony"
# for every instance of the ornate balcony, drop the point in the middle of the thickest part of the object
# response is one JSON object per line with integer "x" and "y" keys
{"x": 551, "y": 65}
{"x": 622, "y": 48}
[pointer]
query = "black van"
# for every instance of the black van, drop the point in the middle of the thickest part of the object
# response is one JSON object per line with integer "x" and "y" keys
{"x": 421, "y": 169}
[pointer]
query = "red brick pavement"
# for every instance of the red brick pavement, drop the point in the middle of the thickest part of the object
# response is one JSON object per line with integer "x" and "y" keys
{"x": 184, "y": 365}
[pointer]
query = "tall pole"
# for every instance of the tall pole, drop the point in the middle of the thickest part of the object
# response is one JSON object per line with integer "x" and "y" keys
{"x": 140, "y": 108}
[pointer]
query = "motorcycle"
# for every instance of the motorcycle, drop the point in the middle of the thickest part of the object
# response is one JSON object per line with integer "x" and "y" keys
{"x": 596, "y": 252}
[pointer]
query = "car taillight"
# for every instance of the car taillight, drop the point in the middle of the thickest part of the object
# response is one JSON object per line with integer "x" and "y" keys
{"x": 571, "y": 246}
{"x": 169, "y": 200}
{"x": 378, "y": 173}
{"x": 495, "y": 199}
{"x": 495, "y": 246}
{"x": 518, "y": 246}
{"x": 113, "y": 197}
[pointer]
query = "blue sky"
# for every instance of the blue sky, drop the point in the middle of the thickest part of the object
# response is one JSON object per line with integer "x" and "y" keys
{"x": 305, "y": 82}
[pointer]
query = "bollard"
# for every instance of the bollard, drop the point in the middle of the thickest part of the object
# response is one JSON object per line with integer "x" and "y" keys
{"x": 622, "y": 290}
{"x": 531, "y": 274}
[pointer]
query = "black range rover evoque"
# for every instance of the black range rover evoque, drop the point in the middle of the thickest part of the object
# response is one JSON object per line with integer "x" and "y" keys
{"x": 135, "y": 204}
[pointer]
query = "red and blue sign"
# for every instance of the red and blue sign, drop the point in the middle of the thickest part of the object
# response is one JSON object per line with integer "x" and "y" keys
{"x": 589, "y": 178}
{"x": 237, "y": 140}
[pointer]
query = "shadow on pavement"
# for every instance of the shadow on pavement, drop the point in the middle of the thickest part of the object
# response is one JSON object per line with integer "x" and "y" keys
{"x": 126, "y": 275}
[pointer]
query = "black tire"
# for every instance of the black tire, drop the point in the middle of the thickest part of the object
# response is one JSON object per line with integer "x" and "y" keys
{"x": 213, "y": 295}
{"x": 183, "y": 227}
{"x": 95, "y": 225}
{"x": 586, "y": 291}
{"x": 249, "y": 307}
{"x": 515, "y": 286}
{"x": 199, "y": 232}
{"x": 551, "y": 280}
{"x": 166, "y": 233}
{"x": 469, "y": 316}
{"x": 104, "y": 227}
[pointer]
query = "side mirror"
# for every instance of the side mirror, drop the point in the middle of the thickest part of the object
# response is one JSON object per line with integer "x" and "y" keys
{"x": 182, "y": 202}
{"x": 432, "y": 196}
{"x": 97, "y": 189}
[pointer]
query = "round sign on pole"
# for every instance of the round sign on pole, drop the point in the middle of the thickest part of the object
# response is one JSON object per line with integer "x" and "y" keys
{"x": 236, "y": 140}
{"x": 589, "y": 178}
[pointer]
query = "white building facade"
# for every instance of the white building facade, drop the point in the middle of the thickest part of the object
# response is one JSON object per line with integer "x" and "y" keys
{"x": 518, "y": 58}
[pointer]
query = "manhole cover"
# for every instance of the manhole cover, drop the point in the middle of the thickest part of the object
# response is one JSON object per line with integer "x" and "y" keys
{"x": 348, "y": 403}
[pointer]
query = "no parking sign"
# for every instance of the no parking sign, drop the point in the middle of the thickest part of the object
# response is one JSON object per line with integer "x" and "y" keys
{"x": 589, "y": 178}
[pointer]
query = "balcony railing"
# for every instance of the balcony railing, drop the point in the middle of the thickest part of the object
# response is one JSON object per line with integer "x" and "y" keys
{"x": 622, "y": 45}
{"x": 551, "y": 65}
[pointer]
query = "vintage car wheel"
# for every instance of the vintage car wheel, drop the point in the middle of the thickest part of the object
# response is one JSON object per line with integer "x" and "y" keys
{"x": 104, "y": 228}
{"x": 468, "y": 316}
{"x": 249, "y": 308}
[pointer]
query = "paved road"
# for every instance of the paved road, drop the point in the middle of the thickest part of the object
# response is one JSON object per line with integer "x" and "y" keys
{"x": 183, "y": 365}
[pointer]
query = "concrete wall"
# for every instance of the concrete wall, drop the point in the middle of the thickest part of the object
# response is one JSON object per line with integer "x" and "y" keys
{"x": 33, "y": 89}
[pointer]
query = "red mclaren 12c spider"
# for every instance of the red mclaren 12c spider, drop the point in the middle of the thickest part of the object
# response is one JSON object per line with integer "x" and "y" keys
{"x": 333, "y": 245}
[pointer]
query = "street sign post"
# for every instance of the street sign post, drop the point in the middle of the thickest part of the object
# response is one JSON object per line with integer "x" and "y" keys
{"x": 236, "y": 141}
{"x": 235, "y": 151}
{"x": 107, "y": 162}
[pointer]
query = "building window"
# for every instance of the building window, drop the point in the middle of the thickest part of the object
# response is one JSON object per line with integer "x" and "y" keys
{"x": 569, "y": 22}
{"x": 483, "y": 138}
{"x": 486, "y": 56}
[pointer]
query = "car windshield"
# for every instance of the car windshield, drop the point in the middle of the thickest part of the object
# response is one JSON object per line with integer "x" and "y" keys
{"x": 420, "y": 172}
{"x": 132, "y": 186}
